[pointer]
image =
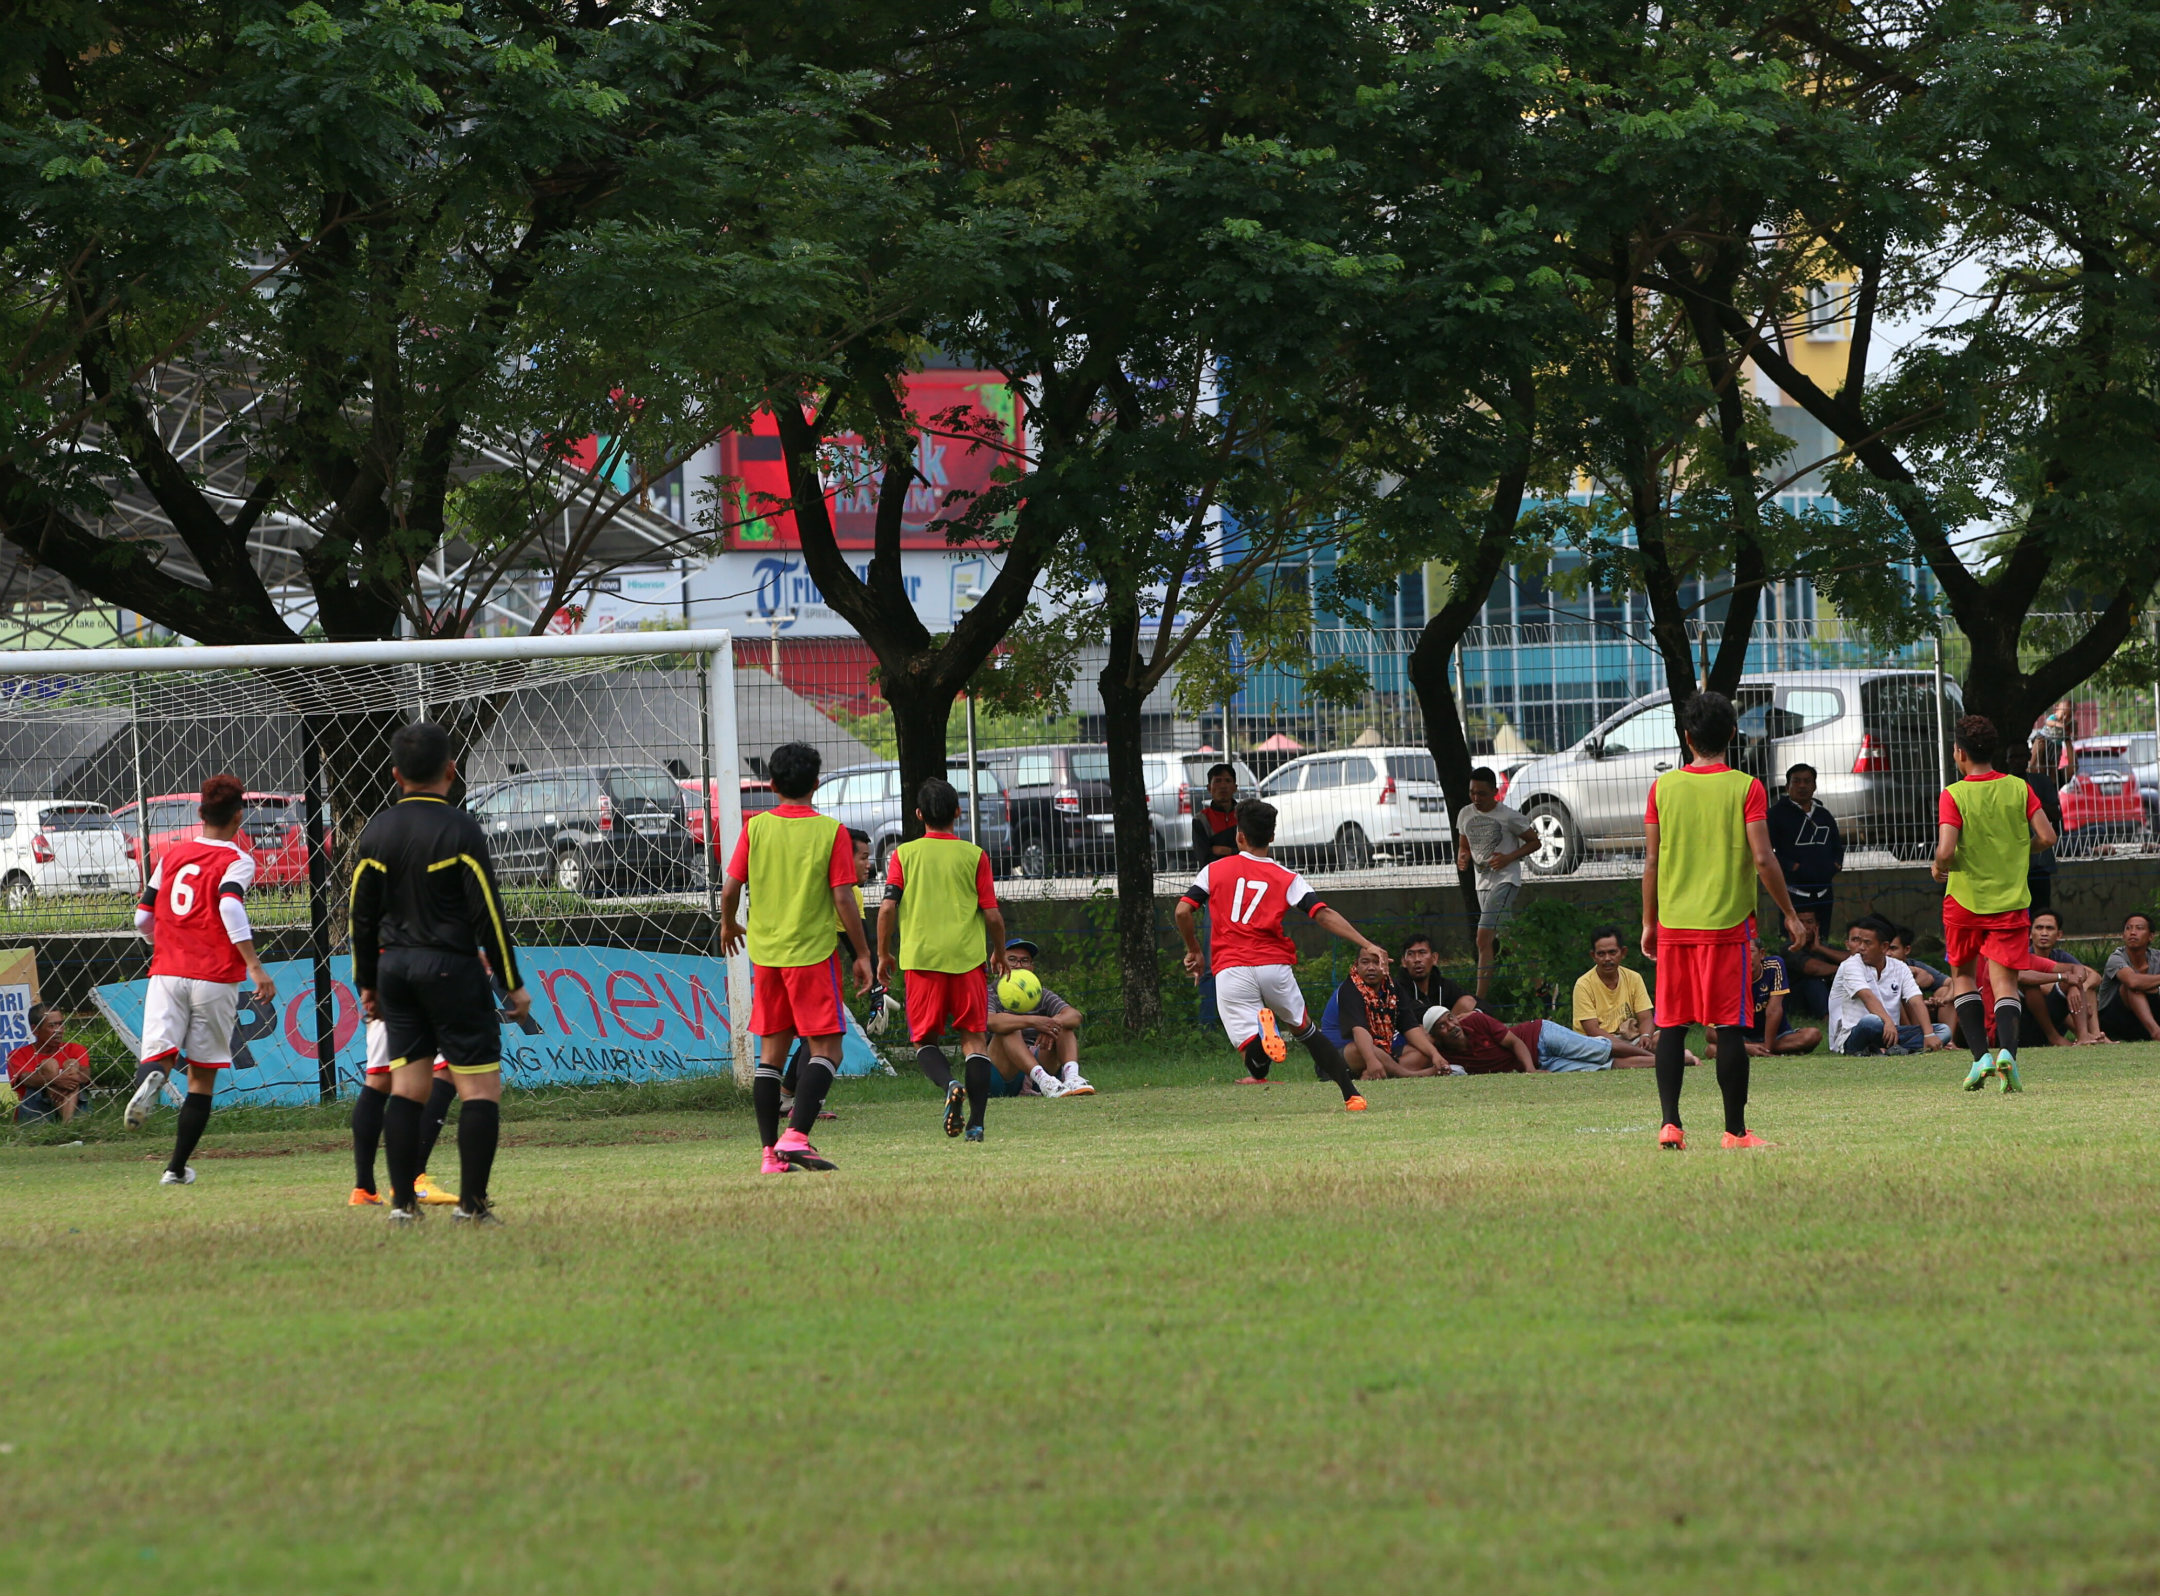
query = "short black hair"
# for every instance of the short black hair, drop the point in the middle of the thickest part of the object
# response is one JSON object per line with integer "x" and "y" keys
{"x": 1906, "y": 935}
{"x": 1604, "y": 931}
{"x": 1220, "y": 769}
{"x": 1256, "y": 819}
{"x": 858, "y": 837}
{"x": 2045, "y": 914}
{"x": 793, "y": 770}
{"x": 939, "y": 803}
{"x": 1795, "y": 770}
{"x": 2134, "y": 914}
{"x": 38, "y": 1011}
{"x": 1976, "y": 734}
{"x": 1708, "y": 723}
{"x": 1416, "y": 939}
{"x": 1874, "y": 925}
{"x": 420, "y": 751}
{"x": 1485, "y": 774}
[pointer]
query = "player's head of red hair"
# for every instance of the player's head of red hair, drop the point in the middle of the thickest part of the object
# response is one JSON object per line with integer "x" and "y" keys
{"x": 221, "y": 799}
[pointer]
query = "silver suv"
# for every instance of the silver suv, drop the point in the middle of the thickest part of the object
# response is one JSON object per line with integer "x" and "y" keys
{"x": 1873, "y": 736}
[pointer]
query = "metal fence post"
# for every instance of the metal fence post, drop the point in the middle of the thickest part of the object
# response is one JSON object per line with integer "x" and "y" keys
{"x": 1942, "y": 735}
{"x": 727, "y": 775}
{"x": 975, "y": 831}
{"x": 318, "y": 876}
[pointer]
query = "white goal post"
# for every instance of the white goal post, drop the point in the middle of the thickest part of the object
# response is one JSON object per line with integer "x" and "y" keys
{"x": 50, "y": 702}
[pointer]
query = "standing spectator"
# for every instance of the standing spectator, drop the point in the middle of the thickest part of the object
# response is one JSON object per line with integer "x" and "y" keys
{"x": 48, "y": 1075}
{"x": 1772, "y": 1030}
{"x": 1481, "y": 1045}
{"x": 1611, "y": 999}
{"x": 1809, "y": 848}
{"x": 1497, "y": 839}
{"x": 2127, "y": 984}
{"x": 1214, "y": 823}
{"x": 1810, "y": 967}
{"x": 1874, "y": 1006}
{"x": 2068, "y": 996}
{"x": 1041, "y": 1047}
{"x": 1378, "y": 1034}
{"x": 2050, "y": 759}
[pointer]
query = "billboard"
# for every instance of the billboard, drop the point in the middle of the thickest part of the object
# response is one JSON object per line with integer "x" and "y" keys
{"x": 967, "y": 424}
{"x": 755, "y": 593}
{"x": 599, "y": 1016}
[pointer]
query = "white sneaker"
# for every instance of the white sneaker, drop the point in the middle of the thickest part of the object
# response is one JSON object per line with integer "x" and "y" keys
{"x": 1076, "y": 1085}
{"x": 170, "y": 1179}
{"x": 145, "y": 1099}
{"x": 1047, "y": 1084}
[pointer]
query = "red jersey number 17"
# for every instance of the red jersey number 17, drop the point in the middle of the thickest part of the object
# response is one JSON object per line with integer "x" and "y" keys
{"x": 1242, "y": 911}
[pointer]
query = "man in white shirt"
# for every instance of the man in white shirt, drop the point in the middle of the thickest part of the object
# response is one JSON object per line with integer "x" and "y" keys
{"x": 1496, "y": 839}
{"x": 1875, "y": 1006}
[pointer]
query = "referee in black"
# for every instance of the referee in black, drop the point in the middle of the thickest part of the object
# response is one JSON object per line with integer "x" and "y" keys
{"x": 424, "y": 911}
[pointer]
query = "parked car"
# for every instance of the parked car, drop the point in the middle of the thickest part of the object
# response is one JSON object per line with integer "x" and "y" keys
{"x": 757, "y": 797}
{"x": 1060, "y": 798}
{"x": 1874, "y": 738}
{"x": 1349, "y": 805}
{"x": 273, "y": 828}
{"x": 2101, "y": 807}
{"x": 2142, "y": 751}
{"x": 57, "y": 848}
{"x": 1176, "y": 787}
{"x": 590, "y": 829}
{"x": 868, "y": 798}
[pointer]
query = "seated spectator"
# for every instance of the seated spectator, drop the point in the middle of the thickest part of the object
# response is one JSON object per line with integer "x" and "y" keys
{"x": 1611, "y": 999}
{"x": 1367, "y": 1019}
{"x": 2065, "y": 997}
{"x": 1934, "y": 985}
{"x": 1874, "y": 1006}
{"x": 1478, "y": 1044}
{"x": 1422, "y": 985}
{"x": 1810, "y": 967}
{"x": 1773, "y": 1031}
{"x": 1026, "y": 1048}
{"x": 48, "y": 1075}
{"x": 2127, "y": 984}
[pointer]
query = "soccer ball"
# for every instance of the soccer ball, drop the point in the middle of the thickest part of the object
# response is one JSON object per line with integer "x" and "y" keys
{"x": 1020, "y": 991}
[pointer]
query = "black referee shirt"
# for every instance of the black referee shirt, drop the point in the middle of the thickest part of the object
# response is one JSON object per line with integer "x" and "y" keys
{"x": 421, "y": 879}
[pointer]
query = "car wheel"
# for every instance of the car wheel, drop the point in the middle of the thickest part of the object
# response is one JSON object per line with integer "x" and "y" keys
{"x": 571, "y": 872}
{"x": 884, "y": 858}
{"x": 1162, "y": 854}
{"x": 1352, "y": 851}
{"x": 1559, "y": 845}
{"x": 16, "y": 893}
{"x": 1034, "y": 858}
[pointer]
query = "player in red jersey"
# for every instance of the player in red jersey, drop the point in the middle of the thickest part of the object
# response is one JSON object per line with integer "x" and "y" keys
{"x": 1255, "y": 963}
{"x": 194, "y": 911}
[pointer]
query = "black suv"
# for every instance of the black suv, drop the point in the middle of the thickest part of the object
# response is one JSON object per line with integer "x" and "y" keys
{"x": 590, "y": 829}
{"x": 1059, "y": 793}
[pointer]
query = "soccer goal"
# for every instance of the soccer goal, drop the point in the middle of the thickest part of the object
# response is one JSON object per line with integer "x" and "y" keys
{"x": 609, "y": 773}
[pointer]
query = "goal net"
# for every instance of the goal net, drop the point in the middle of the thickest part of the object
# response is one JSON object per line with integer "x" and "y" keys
{"x": 610, "y": 775}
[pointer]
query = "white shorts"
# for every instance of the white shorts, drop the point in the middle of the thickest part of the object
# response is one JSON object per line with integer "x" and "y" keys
{"x": 190, "y": 1019}
{"x": 378, "y": 1050}
{"x": 1243, "y": 990}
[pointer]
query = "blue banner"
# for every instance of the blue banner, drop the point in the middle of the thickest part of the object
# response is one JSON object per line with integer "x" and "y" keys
{"x": 599, "y": 1015}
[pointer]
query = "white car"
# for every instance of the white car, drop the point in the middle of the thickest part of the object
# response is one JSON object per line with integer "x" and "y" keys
{"x": 56, "y": 848}
{"x": 1350, "y": 805}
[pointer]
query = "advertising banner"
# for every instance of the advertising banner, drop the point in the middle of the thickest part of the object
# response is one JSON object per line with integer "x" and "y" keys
{"x": 599, "y": 1016}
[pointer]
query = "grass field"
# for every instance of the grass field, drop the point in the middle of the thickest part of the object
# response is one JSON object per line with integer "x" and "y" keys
{"x": 1177, "y": 1337}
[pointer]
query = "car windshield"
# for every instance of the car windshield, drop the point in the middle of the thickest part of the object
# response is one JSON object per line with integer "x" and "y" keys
{"x": 1091, "y": 766}
{"x": 1412, "y": 767}
{"x": 78, "y": 817}
{"x": 2104, "y": 765}
{"x": 655, "y": 787}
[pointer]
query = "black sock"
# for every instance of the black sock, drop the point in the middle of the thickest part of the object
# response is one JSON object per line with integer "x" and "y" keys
{"x": 2006, "y": 1024}
{"x": 810, "y": 1089}
{"x": 1256, "y": 1059}
{"x": 441, "y": 1095}
{"x": 1971, "y": 1010}
{"x": 479, "y": 1128}
{"x": 367, "y": 1118}
{"x": 401, "y": 1147}
{"x": 793, "y": 1072}
{"x": 935, "y": 1067}
{"x": 1671, "y": 1070}
{"x": 1327, "y": 1059}
{"x": 765, "y": 1098}
{"x": 978, "y": 1070}
{"x": 1732, "y": 1077}
{"x": 194, "y": 1115}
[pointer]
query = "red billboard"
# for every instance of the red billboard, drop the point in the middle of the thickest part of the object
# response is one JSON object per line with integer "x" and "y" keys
{"x": 967, "y": 424}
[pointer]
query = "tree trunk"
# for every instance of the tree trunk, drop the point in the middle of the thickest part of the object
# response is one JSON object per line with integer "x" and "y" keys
{"x": 1140, "y": 973}
{"x": 921, "y": 710}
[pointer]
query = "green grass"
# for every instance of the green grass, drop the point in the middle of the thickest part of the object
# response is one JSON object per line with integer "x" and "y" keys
{"x": 1177, "y": 1337}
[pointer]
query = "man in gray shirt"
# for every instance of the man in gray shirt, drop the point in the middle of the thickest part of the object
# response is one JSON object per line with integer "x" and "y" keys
{"x": 1496, "y": 839}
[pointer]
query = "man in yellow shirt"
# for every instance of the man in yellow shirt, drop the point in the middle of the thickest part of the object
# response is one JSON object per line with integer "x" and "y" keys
{"x": 1611, "y": 999}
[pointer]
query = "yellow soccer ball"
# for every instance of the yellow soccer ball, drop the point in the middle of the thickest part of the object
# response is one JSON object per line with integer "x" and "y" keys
{"x": 1020, "y": 991}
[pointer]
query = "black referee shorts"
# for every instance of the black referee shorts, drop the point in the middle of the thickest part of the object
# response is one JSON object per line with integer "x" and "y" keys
{"x": 435, "y": 1002}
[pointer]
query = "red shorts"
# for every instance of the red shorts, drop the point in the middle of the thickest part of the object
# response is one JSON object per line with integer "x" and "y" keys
{"x": 1704, "y": 977}
{"x": 937, "y": 996}
{"x": 796, "y": 999}
{"x": 2004, "y": 939}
